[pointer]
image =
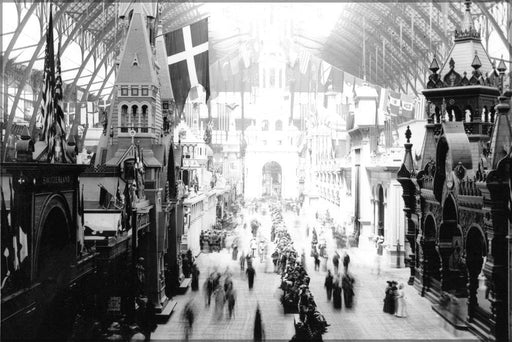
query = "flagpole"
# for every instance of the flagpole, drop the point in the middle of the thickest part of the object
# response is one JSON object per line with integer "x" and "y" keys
{"x": 364, "y": 48}
{"x": 242, "y": 108}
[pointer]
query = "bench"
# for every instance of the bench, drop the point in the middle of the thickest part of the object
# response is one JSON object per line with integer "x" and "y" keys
{"x": 163, "y": 316}
{"x": 184, "y": 285}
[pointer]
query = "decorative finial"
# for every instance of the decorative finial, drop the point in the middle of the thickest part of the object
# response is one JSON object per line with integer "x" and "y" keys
{"x": 434, "y": 66}
{"x": 476, "y": 62}
{"x": 467, "y": 24}
{"x": 452, "y": 63}
{"x": 467, "y": 28}
{"x": 408, "y": 135}
{"x": 501, "y": 66}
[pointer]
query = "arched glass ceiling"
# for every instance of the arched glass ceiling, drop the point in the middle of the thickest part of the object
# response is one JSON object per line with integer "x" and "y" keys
{"x": 409, "y": 31}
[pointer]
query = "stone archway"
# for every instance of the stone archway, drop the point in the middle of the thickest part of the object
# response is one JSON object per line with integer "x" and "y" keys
{"x": 272, "y": 179}
{"x": 55, "y": 254}
{"x": 55, "y": 244}
{"x": 450, "y": 247}
{"x": 476, "y": 250}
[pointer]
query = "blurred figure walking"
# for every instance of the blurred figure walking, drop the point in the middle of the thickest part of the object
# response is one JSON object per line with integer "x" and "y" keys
{"x": 242, "y": 263}
{"x": 220, "y": 299}
{"x": 259, "y": 332}
{"x": 208, "y": 289}
{"x": 250, "y": 276}
{"x": 231, "y": 298}
{"x": 188, "y": 316}
{"x": 195, "y": 277}
{"x": 336, "y": 293}
{"x": 317, "y": 261}
{"x": 328, "y": 284}
{"x": 346, "y": 261}
{"x": 336, "y": 262}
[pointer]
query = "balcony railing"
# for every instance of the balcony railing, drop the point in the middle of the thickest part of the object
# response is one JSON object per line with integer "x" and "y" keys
{"x": 128, "y": 129}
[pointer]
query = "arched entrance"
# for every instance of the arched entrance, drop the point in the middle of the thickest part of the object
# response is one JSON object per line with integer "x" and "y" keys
{"x": 476, "y": 250}
{"x": 272, "y": 179}
{"x": 55, "y": 255}
{"x": 450, "y": 246}
{"x": 432, "y": 261}
{"x": 380, "y": 210}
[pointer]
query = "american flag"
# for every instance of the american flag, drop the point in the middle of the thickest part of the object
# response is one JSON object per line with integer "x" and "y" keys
{"x": 49, "y": 82}
{"x": 59, "y": 151}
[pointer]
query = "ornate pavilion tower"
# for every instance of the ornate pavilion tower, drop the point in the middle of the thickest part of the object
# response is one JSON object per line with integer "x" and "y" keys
{"x": 135, "y": 139}
{"x": 456, "y": 199}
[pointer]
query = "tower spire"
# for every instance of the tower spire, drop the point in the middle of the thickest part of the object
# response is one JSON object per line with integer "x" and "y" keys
{"x": 467, "y": 27}
{"x": 467, "y": 22}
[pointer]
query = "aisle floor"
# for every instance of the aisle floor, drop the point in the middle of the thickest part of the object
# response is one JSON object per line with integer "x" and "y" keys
{"x": 364, "y": 321}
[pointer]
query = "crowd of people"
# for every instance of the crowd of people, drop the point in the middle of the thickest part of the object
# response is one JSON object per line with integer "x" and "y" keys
{"x": 290, "y": 264}
{"x": 339, "y": 283}
{"x": 297, "y": 297}
{"x": 212, "y": 240}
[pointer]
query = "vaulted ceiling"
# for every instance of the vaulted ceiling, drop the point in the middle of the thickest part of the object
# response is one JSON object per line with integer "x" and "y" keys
{"x": 391, "y": 43}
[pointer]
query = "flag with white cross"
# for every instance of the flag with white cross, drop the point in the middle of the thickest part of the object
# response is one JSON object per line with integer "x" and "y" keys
{"x": 187, "y": 58}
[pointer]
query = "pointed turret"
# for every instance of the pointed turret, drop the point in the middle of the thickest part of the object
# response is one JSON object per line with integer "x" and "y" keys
{"x": 163, "y": 76}
{"x": 136, "y": 64}
{"x": 467, "y": 44}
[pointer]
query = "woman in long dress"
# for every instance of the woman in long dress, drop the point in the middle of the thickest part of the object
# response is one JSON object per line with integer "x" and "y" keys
{"x": 389, "y": 299}
{"x": 347, "y": 285}
{"x": 401, "y": 309}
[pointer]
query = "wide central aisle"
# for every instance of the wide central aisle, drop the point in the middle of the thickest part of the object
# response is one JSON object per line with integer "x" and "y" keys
{"x": 240, "y": 327}
{"x": 365, "y": 320}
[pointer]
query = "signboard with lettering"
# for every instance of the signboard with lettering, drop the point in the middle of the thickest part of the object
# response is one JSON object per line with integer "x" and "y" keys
{"x": 56, "y": 180}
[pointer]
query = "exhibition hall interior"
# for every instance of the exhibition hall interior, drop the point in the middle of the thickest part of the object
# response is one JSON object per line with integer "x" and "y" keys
{"x": 288, "y": 171}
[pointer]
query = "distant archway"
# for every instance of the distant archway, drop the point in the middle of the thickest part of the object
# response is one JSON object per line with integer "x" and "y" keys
{"x": 272, "y": 179}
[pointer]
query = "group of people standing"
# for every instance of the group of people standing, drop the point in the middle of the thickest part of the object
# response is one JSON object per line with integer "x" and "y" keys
{"x": 212, "y": 240}
{"x": 394, "y": 301}
{"x": 296, "y": 297}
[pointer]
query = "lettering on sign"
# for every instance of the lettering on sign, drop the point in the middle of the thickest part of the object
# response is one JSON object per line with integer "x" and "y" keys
{"x": 56, "y": 180}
